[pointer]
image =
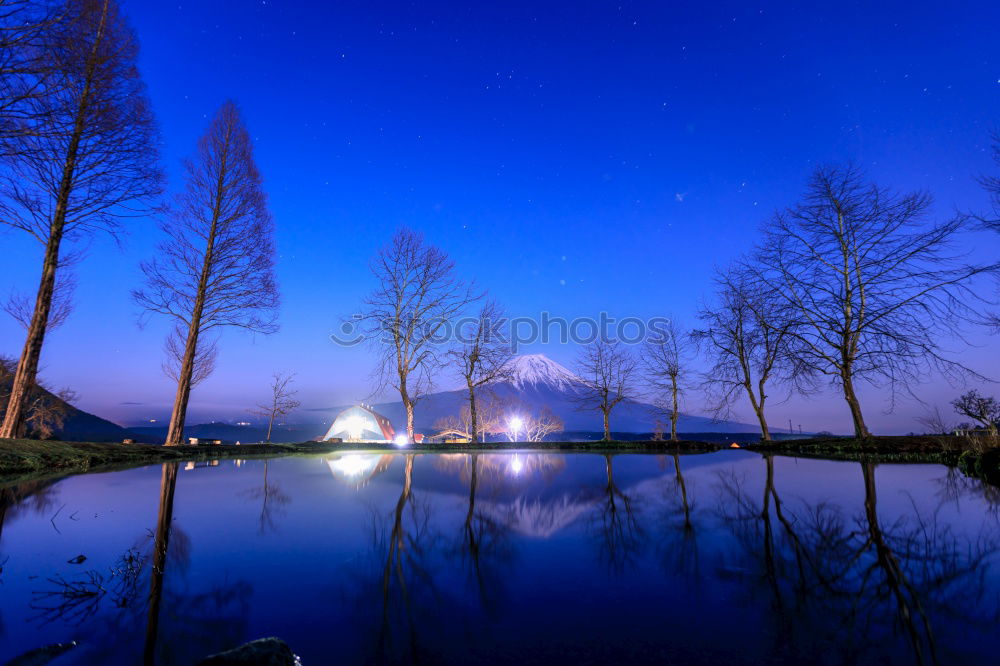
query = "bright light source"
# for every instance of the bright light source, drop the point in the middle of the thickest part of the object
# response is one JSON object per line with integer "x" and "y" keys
{"x": 514, "y": 425}
{"x": 355, "y": 426}
{"x": 402, "y": 440}
{"x": 516, "y": 465}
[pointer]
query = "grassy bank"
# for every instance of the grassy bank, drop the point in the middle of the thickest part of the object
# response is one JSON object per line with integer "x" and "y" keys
{"x": 943, "y": 449}
{"x": 28, "y": 458}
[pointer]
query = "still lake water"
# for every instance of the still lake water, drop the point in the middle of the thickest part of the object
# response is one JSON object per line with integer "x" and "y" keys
{"x": 507, "y": 558}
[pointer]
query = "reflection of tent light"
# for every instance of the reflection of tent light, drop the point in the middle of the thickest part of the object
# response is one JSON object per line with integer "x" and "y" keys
{"x": 352, "y": 465}
{"x": 516, "y": 465}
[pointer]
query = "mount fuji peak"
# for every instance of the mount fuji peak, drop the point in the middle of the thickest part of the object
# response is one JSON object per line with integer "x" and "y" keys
{"x": 538, "y": 370}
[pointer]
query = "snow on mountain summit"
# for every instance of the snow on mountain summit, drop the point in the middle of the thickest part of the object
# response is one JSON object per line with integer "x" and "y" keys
{"x": 538, "y": 369}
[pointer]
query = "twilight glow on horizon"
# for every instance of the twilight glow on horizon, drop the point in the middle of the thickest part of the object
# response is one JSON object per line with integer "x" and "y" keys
{"x": 572, "y": 159}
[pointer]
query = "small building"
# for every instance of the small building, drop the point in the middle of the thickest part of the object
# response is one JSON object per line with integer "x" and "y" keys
{"x": 200, "y": 441}
{"x": 360, "y": 423}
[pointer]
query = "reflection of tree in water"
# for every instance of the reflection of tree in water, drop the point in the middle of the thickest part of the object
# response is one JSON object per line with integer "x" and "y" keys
{"x": 33, "y": 496}
{"x": 955, "y": 486}
{"x": 196, "y": 623}
{"x": 678, "y": 542}
{"x": 849, "y": 583}
{"x": 272, "y": 502}
{"x": 399, "y": 573}
{"x": 168, "y": 626}
{"x": 615, "y": 523}
{"x": 484, "y": 547}
{"x": 409, "y": 568}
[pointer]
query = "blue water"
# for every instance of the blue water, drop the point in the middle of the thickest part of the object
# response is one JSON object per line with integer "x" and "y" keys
{"x": 552, "y": 559}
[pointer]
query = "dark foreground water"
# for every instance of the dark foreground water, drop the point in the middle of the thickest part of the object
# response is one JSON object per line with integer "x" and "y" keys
{"x": 528, "y": 558}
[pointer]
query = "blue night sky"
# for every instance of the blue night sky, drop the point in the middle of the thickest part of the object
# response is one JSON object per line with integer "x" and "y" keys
{"x": 571, "y": 157}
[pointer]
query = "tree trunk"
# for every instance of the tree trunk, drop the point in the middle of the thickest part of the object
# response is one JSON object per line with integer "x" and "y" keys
{"x": 860, "y": 429}
{"x": 684, "y": 496}
{"x": 675, "y": 411}
{"x": 473, "y": 424}
{"x": 607, "y": 427}
{"x": 474, "y": 477}
{"x": 175, "y": 431}
{"x": 27, "y": 367}
{"x": 168, "y": 482}
{"x": 758, "y": 409}
{"x": 409, "y": 418}
{"x": 270, "y": 424}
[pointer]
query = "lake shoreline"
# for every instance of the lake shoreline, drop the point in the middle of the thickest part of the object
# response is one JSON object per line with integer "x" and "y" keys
{"x": 23, "y": 459}
{"x": 948, "y": 450}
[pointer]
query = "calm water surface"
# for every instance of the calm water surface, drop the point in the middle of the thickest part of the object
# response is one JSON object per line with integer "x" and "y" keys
{"x": 508, "y": 558}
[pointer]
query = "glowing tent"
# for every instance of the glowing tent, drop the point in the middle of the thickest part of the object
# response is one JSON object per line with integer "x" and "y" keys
{"x": 360, "y": 423}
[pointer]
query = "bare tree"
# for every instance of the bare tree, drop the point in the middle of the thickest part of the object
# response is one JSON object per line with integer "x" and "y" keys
{"x": 21, "y": 309}
{"x": 985, "y": 410}
{"x": 416, "y": 296}
{"x": 539, "y": 425}
{"x": 483, "y": 356}
{"x": 607, "y": 375}
{"x": 282, "y": 401}
{"x": 46, "y": 411}
{"x": 991, "y": 219}
{"x": 746, "y": 337}
{"x": 490, "y": 413}
{"x": 454, "y": 426}
{"x": 936, "y": 422}
{"x": 90, "y": 162}
{"x": 664, "y": 360}
{"x": 25, "y": 72}
{"x": 216, "y": 269}
{"x": 874, "y": 287}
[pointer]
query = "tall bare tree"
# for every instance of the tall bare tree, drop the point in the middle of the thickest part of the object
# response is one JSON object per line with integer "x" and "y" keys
{"x": 664, "y": 360}
{"x": 874, "y": 286}
{"x": 607, "y": 374}
{"x": 483, "y": 356}
{"x": 406, "y": 315}
{"x": 88, "y": 163}
{"x": 216, "y": 268}
{"x": 747, "y": 337}
{"x": 282, "y": 402}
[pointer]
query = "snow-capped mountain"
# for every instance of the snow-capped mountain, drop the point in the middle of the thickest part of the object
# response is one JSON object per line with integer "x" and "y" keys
{"x": 539, "y": 370}
{"x": 537, "y": 381}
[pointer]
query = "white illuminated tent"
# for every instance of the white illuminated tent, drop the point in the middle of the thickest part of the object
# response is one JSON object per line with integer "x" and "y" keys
{"x": 360, "y": 423}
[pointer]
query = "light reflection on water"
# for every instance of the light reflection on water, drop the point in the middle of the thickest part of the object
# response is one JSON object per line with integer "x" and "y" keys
{"x": 514, "y": 557}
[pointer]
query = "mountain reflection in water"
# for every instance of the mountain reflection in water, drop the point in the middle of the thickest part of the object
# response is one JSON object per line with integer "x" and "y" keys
{"x": 502, "y": 558}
